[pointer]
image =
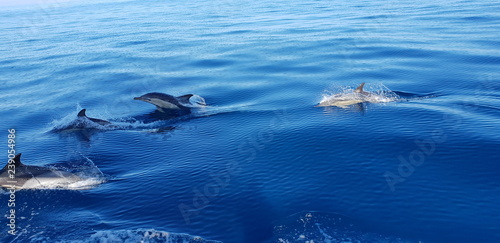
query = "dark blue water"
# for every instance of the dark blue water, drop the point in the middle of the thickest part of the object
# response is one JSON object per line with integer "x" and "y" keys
{"x": 260, "y": 163}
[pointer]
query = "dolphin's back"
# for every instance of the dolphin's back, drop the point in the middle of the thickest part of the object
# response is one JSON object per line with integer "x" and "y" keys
{"x": 161, "y": 96}
{"x": 29, "y": 171}
{"x": 82, "y": 114}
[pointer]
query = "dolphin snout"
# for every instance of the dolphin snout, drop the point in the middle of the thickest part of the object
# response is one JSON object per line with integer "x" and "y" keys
{"x": 141, "y": 98}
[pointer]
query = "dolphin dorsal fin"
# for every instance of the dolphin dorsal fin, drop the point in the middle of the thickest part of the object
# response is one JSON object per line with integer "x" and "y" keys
{"x": 82, "y": 113}
{"x": 17, "y": 160}
{"x": 359, "y": 89}
{"x": 184, "y": 98}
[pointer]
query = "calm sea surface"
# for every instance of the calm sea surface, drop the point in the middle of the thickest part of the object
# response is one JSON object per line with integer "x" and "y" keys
{"x": 260, "y": 163}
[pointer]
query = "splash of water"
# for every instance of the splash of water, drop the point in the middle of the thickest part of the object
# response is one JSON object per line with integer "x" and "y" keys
{"x": 314, "y": 227}
{"x": 140, "y": 235}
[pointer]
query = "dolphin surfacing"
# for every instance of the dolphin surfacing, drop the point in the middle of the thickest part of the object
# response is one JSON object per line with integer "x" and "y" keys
{"x": 82, "y": 114}
{"x": 20, "y": 176}
{"x": 357, "y": 96}
{"x": 166, "y": 103}
{"x": 83, "y": 122}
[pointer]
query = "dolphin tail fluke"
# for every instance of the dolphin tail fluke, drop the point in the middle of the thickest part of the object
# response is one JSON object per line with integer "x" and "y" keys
{"x": 82, "y": 113}
{"x": 184, "y": 98}
{"x": 359, "y": 89}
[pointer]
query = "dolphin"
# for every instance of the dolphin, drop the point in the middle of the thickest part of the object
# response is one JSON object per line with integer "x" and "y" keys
{"x": 165, "y": 103}
{"x": 83, "y": 122}
{"x": 82, "y": 114}
{"x": 343, "y": 100}
{"x": 17, "y": 175}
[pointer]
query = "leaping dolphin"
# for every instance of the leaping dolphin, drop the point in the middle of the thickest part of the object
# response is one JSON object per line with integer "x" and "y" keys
{"x": 20, "y": 176}
{"x": 357, "y": 96}
{"x": 165, "y": 102}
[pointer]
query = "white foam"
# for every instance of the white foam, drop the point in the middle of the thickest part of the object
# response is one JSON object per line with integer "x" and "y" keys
{"x": 140, "y": 235}
{"x": 197, "y": 101}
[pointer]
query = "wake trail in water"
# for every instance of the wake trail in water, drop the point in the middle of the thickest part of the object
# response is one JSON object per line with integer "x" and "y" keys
{"x": 151, "y": 121}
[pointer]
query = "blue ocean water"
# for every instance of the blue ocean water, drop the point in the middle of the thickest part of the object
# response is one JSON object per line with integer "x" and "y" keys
{"x": 260, "y": 163}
